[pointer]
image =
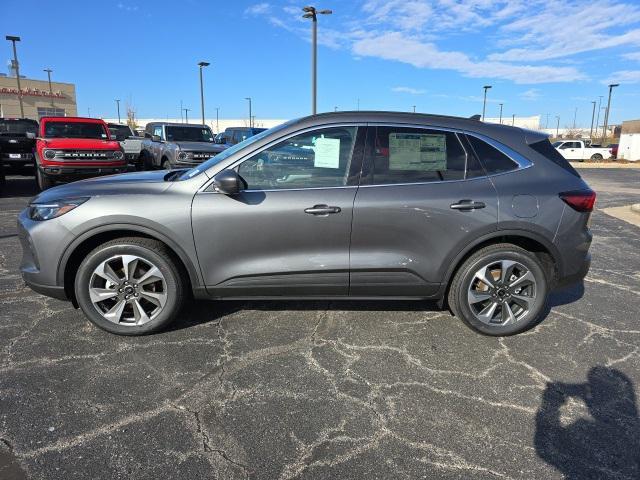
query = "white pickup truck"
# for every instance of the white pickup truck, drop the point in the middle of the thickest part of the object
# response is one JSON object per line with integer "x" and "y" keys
{"x": 581, "y": 151}
{"x": 131, "y": 144}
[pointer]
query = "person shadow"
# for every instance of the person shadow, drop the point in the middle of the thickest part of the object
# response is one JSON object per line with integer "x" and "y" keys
{"x": 603, "y": 443}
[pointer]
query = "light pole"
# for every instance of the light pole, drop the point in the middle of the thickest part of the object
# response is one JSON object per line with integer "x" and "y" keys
{"x": 89, "y": 112}
{"x": 598, "y": 114}
{"x": 593, "y": 115}
{"x": 606, "y": 113}
{"x": 358, "y": 105}
{"x": 513, "y": 120}
{"x": 13, "y": 39}
{"x": 118, "y": 106}
{"x": 575, "y": 113}
{"x": 546, "y": 124}
{"x": 335, "y": 109}
{"x": 557, "y": 125}
{"x": 312, "y": 13}
{"x": 48, "y": 70}
{"x": 202, "y": 64}
{"x": 501, "y": 113}
{"x": 484, "y": 103}
{"x": 186, "y": 114}
{"x": 181, "y": 113}
{"x": 414, "y": 109}
{"x": 250, "y": 123}
{"x": 217, "y": 120}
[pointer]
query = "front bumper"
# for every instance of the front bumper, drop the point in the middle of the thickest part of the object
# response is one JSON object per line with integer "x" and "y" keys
{"x": 81, "y": 171}
{"x": 23, "y": 160}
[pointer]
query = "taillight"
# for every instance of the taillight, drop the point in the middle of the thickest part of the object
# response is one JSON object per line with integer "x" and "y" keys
{"x": 579, "y": 200}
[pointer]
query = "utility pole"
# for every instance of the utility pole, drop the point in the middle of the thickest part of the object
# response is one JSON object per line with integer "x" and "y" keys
{"x": 358, "y": 104}
{"x": 217, "y": 120}
{"x": 335, "y": 109}
{"x": 546, "y": 125}
{"x": 414, "y": 109}
{"x": 48, "y": 70}
{"x": 13, "y": 39}
{"x": 557, "y": 125}
{"x": 250, "y": 123}
{"x": 593, "y": 114}
{"x": 575, "y": 113}
{"x": 606, "y": 113}
{"x": 186, "y": 114}
{"x": 513, "y": 120}
{"x": 89, "y": 112}
{"x": 202, "y": 64}
{"x": 501, "y": 105}
{"x": 312, "y": 13}
{"x": 598, "y": 114}
{"x": 484, "y": 103}
{"x": 181, "y": 113}
{"x": 118, "y": 106}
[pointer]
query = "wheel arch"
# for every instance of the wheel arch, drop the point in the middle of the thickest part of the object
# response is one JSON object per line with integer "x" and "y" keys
{"x": 89, "y": 240}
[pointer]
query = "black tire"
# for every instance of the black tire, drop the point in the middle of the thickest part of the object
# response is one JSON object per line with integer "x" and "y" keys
{"x": 166, "y": 164}
{"x": 145, "y": 161}
{"x": 465, "y": 275}
{"x": 147, "y": 249}
{"x": 596, "y": 157}
{"x": 43, "y": 181}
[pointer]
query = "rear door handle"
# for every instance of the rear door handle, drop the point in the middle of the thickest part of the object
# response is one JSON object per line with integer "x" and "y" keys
{"x": 322, "y": 210}
{"x": 467, "y": 205}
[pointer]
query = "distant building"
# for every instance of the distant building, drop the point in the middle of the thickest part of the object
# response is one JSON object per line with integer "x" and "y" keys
{"x": 532, "y": 123}
{"x": 37, "y": 100}
{"x": 211, "y": 122}
{"x": 629, "y": 147}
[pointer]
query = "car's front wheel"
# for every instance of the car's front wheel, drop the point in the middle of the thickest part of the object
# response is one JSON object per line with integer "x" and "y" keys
{"x": 500, "y": 290}
{"x": 43, "y": 181}
{"x": 130, "y": 286}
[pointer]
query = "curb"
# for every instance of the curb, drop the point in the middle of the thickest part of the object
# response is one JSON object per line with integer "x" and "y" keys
{"x": 635, "y": 208}
{"x": 605, "y": 165}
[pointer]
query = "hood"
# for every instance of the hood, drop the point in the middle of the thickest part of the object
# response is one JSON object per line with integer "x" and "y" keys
{"x": 135, "y": 183}
{"x": 80, "y": 143}
{"x": 199, "y": 146}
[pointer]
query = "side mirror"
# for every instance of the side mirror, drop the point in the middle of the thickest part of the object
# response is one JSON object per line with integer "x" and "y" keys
{"x": 31, "y": 135}
{"x": 228, "y": 182}
{"x": 156, "y": 138}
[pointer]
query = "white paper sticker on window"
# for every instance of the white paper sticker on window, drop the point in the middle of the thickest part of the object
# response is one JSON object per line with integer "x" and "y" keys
{"x": 415, "y": 151}
{"x": 327, "y": 153}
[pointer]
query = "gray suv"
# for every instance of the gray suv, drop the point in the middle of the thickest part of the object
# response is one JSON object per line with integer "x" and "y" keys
{"x": 176, "y": 145}
{"x": 486, "y": 219}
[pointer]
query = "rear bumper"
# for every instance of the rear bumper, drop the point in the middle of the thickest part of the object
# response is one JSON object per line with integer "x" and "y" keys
{"x": 576, "y": 276}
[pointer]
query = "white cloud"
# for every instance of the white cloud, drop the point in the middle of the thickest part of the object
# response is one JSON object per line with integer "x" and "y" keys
{"x": 258, "y": 9}
{"x": 412, "y": 91}
{"x": 622, "y": 77}
{"x": 632, "y": 56}
{"x": 531, "y": 94}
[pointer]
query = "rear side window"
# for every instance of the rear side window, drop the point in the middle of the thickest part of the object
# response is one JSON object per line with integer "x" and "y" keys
{"x": 545, "y": 149}
{"x": 492, "y": 159}
{"x": 416, "y": 155}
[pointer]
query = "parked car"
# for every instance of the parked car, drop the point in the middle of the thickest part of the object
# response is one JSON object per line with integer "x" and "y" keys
{"x": 130, "y": 143}
{"x": 17, "y": 142}
{"x": 484, "y": 218}
{"x": 177, "y": 145}
{"x": 614, "y": 149}
{"x": 579, "y": 150}
{"x": 3, "y": 179}
{"x": 233, "y": 135}
{"x": 71, "y": 148}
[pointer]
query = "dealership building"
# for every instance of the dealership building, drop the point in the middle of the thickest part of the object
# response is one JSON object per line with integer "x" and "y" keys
{"x": 38, "y": 100}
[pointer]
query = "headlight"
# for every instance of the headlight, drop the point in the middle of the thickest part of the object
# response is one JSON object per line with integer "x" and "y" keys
{"x": 50, "y": 154}
{"x": 49, "y": 210}
{"x": 182, "y": 155}
{"x": 117, "y": 155}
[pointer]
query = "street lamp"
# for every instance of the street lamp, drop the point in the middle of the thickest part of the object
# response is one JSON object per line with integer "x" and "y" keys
{"x": 513, "y": 120}
{"x": 186, "y": 114}
{"x": 557, "y": 125}
{"x": 575, "y": 113}
{"x": 13, "y": 39}
{"x": 312, "y": 13}
{"x": 598, "y": 114}
{"x": 593, "y": 115}
{"x": 118, "y": 107}
{"x": 501, "y": 113}
{"x": 249, "y": 98}
{"x": 202, "y": 64}
{"x": 217, "y": 120}
{"x": 606, "y": 113}
{"x": 414, "y": 109}
{"x": 48, "y": 70}
{"x": 484, "y": 103}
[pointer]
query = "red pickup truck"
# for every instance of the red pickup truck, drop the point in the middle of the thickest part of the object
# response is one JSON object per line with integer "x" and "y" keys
{"x": 70, "y": 148}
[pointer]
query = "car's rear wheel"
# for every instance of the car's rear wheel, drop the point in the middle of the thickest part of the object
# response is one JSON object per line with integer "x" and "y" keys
{"x": 166, "y": 164}
{"x": 43, "y": 181}
{"x": 596, "y": 157}
{"x": 500, "y": 290}
{"x": 130, "y": 286}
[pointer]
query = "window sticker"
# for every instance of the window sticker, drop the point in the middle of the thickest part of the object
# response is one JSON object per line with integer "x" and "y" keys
{"x": 416, "y": 151}
{"x": 327, "y": 152}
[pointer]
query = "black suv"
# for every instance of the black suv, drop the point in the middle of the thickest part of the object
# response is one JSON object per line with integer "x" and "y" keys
{"x": 17, "y": 141}
{"x": 234, "y": 135}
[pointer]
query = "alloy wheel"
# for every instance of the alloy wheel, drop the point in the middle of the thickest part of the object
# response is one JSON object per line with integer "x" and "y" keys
{"x": 501, "y": 292}
{"x": 128, "y": 290}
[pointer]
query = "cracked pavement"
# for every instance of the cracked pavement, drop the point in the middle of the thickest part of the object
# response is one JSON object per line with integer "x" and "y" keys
{"x": 328, "y": 389}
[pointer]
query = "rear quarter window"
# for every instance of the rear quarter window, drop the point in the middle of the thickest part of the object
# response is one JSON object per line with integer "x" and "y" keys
{"x": 545, "y": 148}
{"x": 492, "y": 159}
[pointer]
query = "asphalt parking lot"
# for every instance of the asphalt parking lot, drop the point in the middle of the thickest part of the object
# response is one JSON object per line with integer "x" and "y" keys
{"x": 328, "y": 389}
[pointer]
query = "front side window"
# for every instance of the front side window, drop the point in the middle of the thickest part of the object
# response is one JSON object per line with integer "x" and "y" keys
{"x": 315, "y": 159}
{"x": 188, "y": 134}
{"x": 157, "y": 131}
{"x": 59, "y": 129}
{"x": 492, "y": 159}
{"x": 416, "y": 155}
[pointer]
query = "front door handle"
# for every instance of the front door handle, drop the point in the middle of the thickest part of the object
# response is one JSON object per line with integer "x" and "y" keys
{"x": 322, "y": 210}
{"x": 467, "y": 205}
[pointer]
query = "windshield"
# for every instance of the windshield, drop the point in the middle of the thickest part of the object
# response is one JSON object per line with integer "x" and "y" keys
{"x": 20, "y": 127}
{"x": 120, "y": 131}
{"x": 230, "y": 151}
{"x": 59, "y": 129}
{"x": 188, "y": 134}
{"x": 557, "y": 144}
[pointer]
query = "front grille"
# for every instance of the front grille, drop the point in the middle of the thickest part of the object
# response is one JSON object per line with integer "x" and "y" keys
{"x": 71, "y": 155}
{"x": 200, "y": 156}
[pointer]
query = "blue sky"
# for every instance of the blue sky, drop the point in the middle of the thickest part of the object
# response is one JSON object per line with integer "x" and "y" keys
{"x": 541, "y": 56}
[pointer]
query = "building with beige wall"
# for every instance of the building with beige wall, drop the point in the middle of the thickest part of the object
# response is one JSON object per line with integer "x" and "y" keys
{"x": 36, "y": 98}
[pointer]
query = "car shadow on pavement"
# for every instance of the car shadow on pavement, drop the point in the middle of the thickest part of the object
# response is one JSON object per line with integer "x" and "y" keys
{"x": 591, "y": 429}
